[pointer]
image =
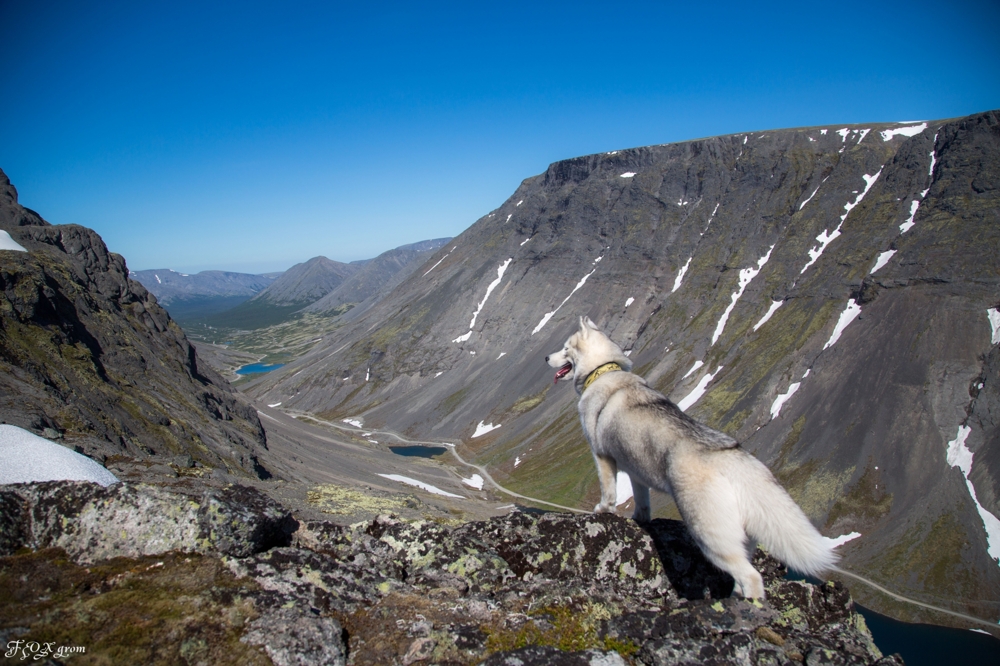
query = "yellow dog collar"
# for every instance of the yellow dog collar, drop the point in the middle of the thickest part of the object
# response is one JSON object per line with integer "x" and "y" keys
{"x": 592, "y": 377}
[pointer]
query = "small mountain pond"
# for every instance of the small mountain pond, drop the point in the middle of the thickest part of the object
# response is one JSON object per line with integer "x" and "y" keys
{"x": 258, "y": 368}
{"x": 418, "y": 451}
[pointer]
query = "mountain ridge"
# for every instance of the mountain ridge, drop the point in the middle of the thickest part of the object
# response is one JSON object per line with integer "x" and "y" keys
{"x": 89, "y": 357}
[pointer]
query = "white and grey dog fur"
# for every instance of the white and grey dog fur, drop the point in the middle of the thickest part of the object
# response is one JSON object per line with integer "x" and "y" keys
{"x": 723, "y": 493}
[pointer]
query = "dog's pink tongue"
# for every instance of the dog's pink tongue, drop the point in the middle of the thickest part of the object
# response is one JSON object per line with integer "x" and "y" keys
{"x": 562, "y": 372}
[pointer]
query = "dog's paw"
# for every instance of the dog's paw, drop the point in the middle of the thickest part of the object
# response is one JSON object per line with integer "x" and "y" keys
{"x": 604, "y": 508}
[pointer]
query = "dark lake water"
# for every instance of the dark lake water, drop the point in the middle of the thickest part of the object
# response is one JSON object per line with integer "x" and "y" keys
{"x": 924, "y": 644}
{"x": 256, "y": 368}
{"x": 930, "y": 644}
{"x": 418, "y": 451}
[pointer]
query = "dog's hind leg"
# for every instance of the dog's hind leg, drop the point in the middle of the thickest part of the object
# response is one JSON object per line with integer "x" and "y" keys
{"x": 712, "y": 516}
{"x": 641, "y": 495}
{"x": 607, "y": 472}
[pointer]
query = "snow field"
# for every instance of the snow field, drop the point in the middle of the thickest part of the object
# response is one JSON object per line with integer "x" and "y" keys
{"x": 960, "y": 456}
{"x": 489, "y": 290}
{"x": 882, "y": 260}
{"x": 770, "y": 312}
{"x": 680, "y": 275}
{"x": 838, "y": 541}
{"x": 482, "y": 429}
{"x": 993, "y": 314}
{"x": 475, "y": 482}
{"x": 849, "y": 314}
{"x": 783, "y": 398}
{"x": 746, "y": 277}
{"x": 699, "y": 390}
{"x": 419, "y": 484}
{"x": 623, "y": 488}
{"x": 912, "y": 130}
{"x": 28, "y": 458}
{"x": 549, "y": 315}
{"x": 827, "y": 237}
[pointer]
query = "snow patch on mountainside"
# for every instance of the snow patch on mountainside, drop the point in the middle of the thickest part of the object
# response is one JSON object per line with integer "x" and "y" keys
{"x": 549, "y": 315}
{"x": 8, "y": 243}
{"x": 960, "y": 456}
{"x": 489, "y": 290}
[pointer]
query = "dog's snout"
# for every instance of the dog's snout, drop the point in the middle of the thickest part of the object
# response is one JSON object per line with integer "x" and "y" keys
{"x": 546, "y": 359}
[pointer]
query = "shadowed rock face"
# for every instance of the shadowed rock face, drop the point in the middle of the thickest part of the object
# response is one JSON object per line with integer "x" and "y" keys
{"x": 89, "y": 355}
{"x": 222, "y": 567}
{"x": 680, "y": 252}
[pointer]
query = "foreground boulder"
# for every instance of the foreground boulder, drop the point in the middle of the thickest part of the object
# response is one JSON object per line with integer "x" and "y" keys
{"x": 217, "y": 576}
{"x": 93, "y": 523}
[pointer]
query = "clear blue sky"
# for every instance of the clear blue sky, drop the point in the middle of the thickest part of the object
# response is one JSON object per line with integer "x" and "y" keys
{"x": 250, "y": 135}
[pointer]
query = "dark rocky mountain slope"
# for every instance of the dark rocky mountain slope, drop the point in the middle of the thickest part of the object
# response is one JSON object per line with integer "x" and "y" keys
{"x": 88, "y": 355}
{"x": 828, "y": 290}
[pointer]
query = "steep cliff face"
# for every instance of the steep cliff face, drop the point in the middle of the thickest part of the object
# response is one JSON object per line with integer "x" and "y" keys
{"x": 88, "y": 355}
{"x": 824, "y": 295}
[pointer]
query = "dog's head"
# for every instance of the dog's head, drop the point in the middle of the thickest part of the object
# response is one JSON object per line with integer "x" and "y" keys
{"x": 585, "y": 351}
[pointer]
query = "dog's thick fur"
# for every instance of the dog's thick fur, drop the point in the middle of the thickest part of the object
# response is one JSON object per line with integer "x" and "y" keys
{"x": 722, "y": 492}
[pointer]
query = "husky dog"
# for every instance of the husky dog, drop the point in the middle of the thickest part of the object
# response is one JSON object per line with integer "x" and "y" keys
{"x": 723, "y": 493}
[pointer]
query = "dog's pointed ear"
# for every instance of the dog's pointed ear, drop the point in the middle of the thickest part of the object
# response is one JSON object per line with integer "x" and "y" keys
{"x": 584, "y": 330}
{"x": 586, "y": 321}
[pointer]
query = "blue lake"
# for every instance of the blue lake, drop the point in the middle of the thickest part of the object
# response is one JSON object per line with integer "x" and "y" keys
{"x": 418, "y": 451}
{"x": 930, "y": 644}
{"x": 257, "y": 368}
{"x": 924, "y": 644}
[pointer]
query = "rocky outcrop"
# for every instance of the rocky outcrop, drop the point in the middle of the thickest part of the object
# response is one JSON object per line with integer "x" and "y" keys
{"x": 825, "y": 291}
{"x": 93, "y": 523}
{"x": 88, "y": 356}
{"x": 523, "y": 588}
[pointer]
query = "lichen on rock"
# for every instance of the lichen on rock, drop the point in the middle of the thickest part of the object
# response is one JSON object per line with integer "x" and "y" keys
{"x": 522, "y": 588}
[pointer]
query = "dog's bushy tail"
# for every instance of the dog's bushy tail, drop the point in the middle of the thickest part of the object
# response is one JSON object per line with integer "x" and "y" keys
{"x": 773, "y": 518}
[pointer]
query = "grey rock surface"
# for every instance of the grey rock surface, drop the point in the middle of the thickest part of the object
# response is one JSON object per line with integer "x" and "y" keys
{"x": 517, "y": 589}
{"x": 93, "y": 523}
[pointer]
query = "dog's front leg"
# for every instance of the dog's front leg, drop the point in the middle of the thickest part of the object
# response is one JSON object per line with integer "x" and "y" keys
{"x": 607, "y": 472}
{"x": 640, "y": 493}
